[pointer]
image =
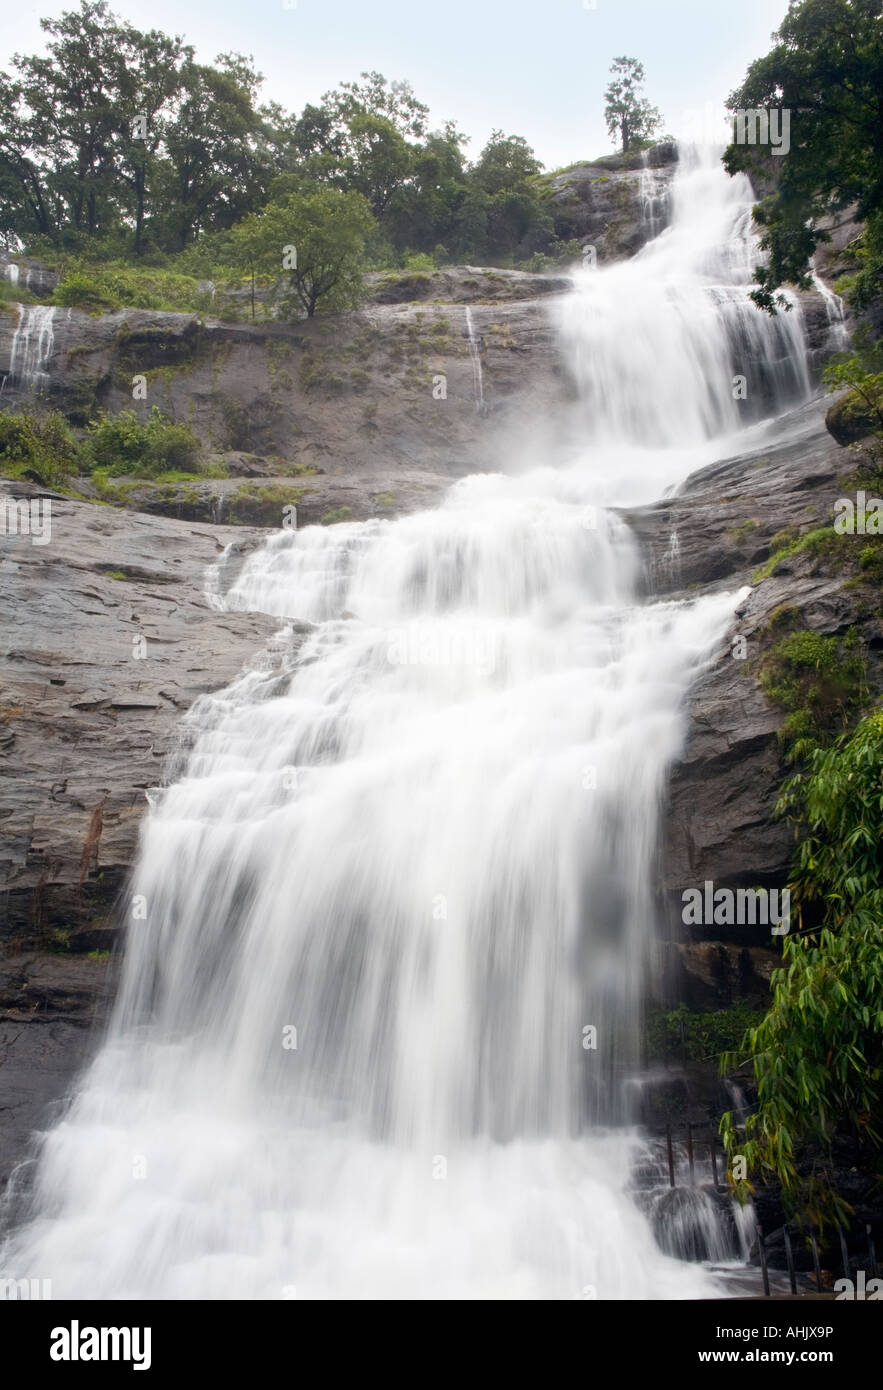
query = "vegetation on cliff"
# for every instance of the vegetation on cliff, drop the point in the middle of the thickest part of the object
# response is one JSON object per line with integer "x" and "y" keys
{"x": 43, "y": 448}
{"x": 817, "y": 1057}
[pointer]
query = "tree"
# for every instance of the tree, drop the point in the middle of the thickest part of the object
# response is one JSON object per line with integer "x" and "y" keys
{"x": 152, "y": 83}
{"x": 826, "y": 71}
{"x": 375, "y": 96}
{"x": 425, "y": 208}
{"x": 68, "y": 115}
{"x": 113, "y": 128}
{"x": 309, "y": 248}
{"x": 631, "y": 120}
{"x": 219, "y": 163}
{"x": 25, "y": 210}
{"x": 503, "y": 206}
{"x": 380, "y": 161}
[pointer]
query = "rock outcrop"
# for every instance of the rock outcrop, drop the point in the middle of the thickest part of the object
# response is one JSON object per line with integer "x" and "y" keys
{"x": 389, "y": 389}
{"x": 109, "y": 636}
{"x": 720, "y": 531}
{"x": 616, "y": 204}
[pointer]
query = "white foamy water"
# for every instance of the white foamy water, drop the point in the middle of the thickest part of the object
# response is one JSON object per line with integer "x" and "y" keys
{"x": 32, "y": 345}
{"x": 405, "y": 867}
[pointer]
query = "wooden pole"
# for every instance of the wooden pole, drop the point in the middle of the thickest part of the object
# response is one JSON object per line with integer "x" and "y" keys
{"x": 789, "y": 1258}
{"x": 763, "y": 1265}
{"x": 671, "y": 1158}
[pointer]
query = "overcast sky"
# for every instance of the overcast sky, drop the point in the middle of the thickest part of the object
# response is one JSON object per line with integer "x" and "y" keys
{"x": 535, "y": 68}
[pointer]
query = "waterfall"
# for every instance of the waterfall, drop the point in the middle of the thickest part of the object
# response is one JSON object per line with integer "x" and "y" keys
{"x": 838, "y": 335}
{"x": 654, "y": 198}
{"x": 32, "y": 346}
{"x": 392, "y": 915}
{"x": 11, "y": 272}
{"x": 475, "y": 354}
{"x": 667, "y": 349}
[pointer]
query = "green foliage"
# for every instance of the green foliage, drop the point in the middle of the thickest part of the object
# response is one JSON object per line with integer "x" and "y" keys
{"x": 76, "y": 179}
{"x": 862, "y": 372}
{"x": 117, "y": 143}
{"x": 826, "y": 70}
{"x": 309, "y": 248}
{"x": 40, "y": 447}
{"x": 125, "y": 444}
{"x": 336, "y": 515}
{"x": 784, "y": 546}
{"x": 74, "y": 171}
{"x": 817, "y": 1057}
{"x": 261, "y": 505}
{"x": 116, "y": 285}
{"x": 698, "y": 1036}
{"x": 819, "y": 680}
{"x": 631, "y": 120}
{"x": 15, "y": 294}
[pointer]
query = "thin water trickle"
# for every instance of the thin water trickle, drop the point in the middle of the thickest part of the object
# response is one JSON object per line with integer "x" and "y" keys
{"x": 399, "y": 892}
{"x": 838, "y": 335}
{"x": 475, "y": 355}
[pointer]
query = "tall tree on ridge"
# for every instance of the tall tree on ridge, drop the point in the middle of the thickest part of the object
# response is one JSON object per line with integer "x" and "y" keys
{"x": 631, "y": 120}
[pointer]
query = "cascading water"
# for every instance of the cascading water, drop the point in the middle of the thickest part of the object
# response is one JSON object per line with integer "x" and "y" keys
{"x": 838, "y": 335}
{"x": 656, "y": 344}
{"x": 475, "y": 356}
{"x": 393, "y": 916}
{"x": 654, "y": 198}
{"x": 32, "y": 346}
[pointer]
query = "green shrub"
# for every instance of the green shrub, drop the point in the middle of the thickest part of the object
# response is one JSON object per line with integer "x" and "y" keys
{"x": 143, "y": 448}
{"x": 117, "y": 285}
{"x": 417, "y": 260}
{"x": 819, "y": 681}
{"x": 704, "y": 1034}
{"x": 336, "y": 515}
{"x": 77, "y": 290}
{"x": 15, "y": 294}
{"x": 41, "y": 447}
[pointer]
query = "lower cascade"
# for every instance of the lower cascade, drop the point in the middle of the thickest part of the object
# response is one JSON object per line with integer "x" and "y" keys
{"x": 392, "y": 918}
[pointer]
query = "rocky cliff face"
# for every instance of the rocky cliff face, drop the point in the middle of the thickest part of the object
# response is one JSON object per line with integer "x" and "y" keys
{"x": 384, "y": 403}
{"x": 109, "y": 636}
{"x": 724, "y": 529}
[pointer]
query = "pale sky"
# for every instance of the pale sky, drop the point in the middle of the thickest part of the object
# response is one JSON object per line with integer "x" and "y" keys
{"x": 533, "y": 69}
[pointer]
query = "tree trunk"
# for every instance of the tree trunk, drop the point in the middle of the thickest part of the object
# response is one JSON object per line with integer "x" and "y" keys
{"x": 139, "y": 211}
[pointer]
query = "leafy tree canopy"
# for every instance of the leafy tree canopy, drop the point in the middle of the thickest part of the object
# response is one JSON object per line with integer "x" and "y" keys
{"x": 826, "y": 71}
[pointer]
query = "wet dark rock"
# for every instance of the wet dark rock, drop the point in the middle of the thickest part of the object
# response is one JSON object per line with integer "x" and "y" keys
{"x": 852, "y": 418}
{"x": 716, "y": 533}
